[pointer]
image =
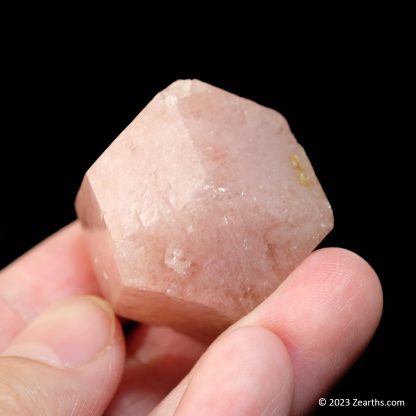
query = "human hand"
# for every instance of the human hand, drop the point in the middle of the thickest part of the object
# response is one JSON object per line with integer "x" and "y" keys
{"x": 63, "y": 351}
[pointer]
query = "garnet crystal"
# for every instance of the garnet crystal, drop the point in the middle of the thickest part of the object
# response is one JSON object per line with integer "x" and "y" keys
{"x": 199, "y": 209}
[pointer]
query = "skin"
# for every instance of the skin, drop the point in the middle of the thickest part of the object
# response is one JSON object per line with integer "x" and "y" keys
{"x": 63, "y": 352}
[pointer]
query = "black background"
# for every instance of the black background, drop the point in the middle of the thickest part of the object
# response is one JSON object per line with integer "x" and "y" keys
{"x": 351, "y": 108}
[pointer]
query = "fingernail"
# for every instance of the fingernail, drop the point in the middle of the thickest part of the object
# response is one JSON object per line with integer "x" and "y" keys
{"x": 68, "y": 335}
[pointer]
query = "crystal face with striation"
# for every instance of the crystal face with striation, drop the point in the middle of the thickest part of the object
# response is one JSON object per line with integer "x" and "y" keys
{"x": 199, "y": 209}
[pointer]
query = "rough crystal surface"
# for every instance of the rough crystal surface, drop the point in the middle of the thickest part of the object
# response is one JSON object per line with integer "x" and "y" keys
{"x": 199, "y": 209}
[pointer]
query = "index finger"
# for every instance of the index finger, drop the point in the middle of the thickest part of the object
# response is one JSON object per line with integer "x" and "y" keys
{"x": 56, "y": 268}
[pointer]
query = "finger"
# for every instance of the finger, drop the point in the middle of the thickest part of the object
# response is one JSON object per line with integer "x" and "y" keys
{"x": 169, "y": 404}
{"x": 157, "y": 359}
{"x": 247, "y": 372}
{"x": 67, "y": 361}
{"x": 57, "y": 268}
{"x": 325, "y": 313}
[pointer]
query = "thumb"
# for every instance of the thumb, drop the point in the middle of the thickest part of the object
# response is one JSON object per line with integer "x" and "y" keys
{"x": 68, "y": 361}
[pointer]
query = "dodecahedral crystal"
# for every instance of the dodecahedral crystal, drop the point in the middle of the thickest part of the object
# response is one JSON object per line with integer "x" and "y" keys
{"x": 199, "y": 209}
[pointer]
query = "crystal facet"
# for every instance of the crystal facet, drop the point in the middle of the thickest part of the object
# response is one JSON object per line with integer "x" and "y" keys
{"x": 199, "y": 209}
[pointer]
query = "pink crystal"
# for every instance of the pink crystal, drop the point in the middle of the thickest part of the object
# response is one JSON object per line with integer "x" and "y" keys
{"x": 200, "y": 209}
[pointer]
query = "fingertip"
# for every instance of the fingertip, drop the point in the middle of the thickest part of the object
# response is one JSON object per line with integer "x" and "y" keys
{"x": 73, "y": 351}
{"x": 57, "y": 335}
{"x": 325, "y": 312}
{"x": 345, "y": 267}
